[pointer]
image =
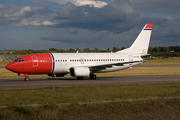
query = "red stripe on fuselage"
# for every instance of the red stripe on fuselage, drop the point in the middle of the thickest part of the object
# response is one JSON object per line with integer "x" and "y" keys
{"x": 33, "y": 64}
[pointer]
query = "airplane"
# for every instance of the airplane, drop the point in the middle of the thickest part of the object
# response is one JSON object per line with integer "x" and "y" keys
{"x": 81, "y": 65}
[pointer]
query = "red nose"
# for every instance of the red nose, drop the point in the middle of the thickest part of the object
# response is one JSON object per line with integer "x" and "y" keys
{"x": 11, "y": 67}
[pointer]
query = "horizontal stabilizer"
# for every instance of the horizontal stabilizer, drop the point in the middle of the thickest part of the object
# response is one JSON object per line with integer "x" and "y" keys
{"x": 156, "y": 54}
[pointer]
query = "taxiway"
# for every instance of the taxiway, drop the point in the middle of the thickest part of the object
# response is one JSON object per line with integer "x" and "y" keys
{"x": 64, "y": 82}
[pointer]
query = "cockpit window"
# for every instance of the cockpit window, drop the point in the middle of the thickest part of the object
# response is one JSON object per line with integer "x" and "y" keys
{"x": 19, "y": 60}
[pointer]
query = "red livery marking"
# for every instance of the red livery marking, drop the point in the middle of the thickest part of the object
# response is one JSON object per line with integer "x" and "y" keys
{"x": 149, "y": 26}
{"x": 24, "y": 75}
{"x": 39, "y": 64}
{"x": 32, "y": 64}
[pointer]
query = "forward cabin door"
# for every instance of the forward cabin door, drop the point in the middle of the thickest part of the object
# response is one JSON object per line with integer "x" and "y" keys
{"x": 35, "y": 61}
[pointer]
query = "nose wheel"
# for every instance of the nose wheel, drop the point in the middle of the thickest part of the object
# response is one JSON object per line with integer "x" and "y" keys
{"x": 26, "y": 79}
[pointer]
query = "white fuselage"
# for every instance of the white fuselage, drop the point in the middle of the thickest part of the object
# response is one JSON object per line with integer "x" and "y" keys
{"x": 64, "y": 61}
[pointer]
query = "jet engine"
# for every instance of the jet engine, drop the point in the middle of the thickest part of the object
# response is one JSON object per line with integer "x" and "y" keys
{"x": 79, "y": 71}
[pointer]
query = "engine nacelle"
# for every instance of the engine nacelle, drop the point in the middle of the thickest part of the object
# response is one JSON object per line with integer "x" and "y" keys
{"x": 79, "y": 71}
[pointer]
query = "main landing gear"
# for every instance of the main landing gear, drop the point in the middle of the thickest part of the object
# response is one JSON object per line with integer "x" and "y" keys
{"x": 26, "y": 78}
{"x": 79, "y": 78}
{"x": 92, "y": 76}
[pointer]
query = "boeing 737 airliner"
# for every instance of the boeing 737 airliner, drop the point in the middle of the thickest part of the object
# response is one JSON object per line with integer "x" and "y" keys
{"x": 84, "y": 64}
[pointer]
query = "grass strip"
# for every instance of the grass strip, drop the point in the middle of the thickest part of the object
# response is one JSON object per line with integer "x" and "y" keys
{"x": 53, "y": 95}
{"x": 145, "y": 110}
{"x": 4, "y": 63}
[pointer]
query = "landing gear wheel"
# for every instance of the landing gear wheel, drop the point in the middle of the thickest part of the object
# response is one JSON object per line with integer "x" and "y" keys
{"x": 79, "y": 78}
{"x": 92, "y": 76}
{"x": 26, "y": 79}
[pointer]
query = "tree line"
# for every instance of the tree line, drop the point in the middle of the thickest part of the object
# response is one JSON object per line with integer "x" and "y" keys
{"x": 151, "y": 50}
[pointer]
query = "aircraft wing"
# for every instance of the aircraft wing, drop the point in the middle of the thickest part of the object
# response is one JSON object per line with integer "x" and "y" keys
{"x": 104, "y": 66}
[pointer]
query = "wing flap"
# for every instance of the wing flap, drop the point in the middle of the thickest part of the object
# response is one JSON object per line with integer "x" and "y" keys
{"x": 104, "y": 66}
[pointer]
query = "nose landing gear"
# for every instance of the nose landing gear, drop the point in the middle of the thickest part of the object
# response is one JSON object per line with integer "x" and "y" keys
{"x": 26, "y": 78}
{"x": 24, "y": 75}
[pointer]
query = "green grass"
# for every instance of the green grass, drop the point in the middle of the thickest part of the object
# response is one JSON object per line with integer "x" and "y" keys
{"x": 4, "y": 63}
{"x": 137, "y": 110}
{"x": 150, "y": 108}
{"x": 86, "y": 94}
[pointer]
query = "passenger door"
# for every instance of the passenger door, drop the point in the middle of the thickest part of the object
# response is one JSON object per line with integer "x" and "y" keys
{"x": 35, "y": 61}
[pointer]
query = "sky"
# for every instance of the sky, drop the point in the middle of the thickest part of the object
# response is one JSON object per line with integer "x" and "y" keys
{"x": 65, "y": 24}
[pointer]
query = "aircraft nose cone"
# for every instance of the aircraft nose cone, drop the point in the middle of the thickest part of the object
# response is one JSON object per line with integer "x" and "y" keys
{"x": 9, "y": 67}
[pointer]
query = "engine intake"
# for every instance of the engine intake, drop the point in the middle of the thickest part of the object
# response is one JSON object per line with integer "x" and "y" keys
{"x": 79, "y": 71}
